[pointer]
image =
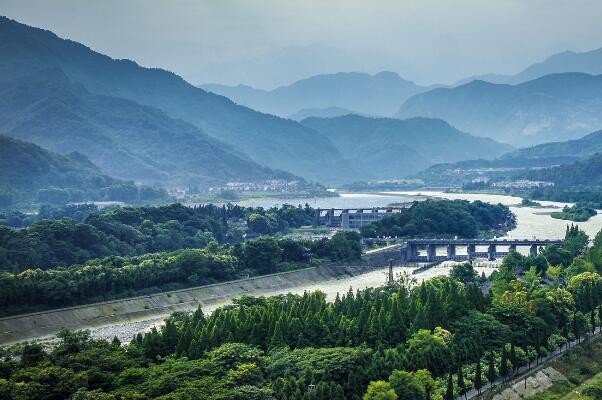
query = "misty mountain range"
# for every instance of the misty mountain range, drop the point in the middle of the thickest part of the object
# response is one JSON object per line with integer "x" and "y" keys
{"x": 556, "y": 99}
{"x": 378, "y": 95}
{"x": 551, "y": 108}
{"x": 149, "y": 125}
{"x": 589, "y": 62}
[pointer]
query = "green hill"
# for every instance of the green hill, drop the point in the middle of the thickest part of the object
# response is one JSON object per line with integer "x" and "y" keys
{"x": 31, "y": 174}
{"x": 125, "y": 139}
{"x": 576, "y": 148}
{"x": 585, "y": 174}
{"x": 388, "y": 148}
{"x": 514, "y": 162}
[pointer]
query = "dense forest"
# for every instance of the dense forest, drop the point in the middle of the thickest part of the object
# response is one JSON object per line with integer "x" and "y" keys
{"x": 134, "y": 231}
{"x": 579, "y": 212}
{"x": 443, "y": 218}
{"x": 572, "y": 196}
{"x": 582, "y": 175}
{"x": 49, "y": 242}
{"x": 114, "y": 277}
{"x": 30, "y": 174}
{"x": 427, "y": 341}
{"x": 76, "y": 212}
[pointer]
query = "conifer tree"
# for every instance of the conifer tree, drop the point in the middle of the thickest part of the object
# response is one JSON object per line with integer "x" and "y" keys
{"x": 478, "y": 383}
{"x": 504, "y": 363}
{"x": 461, "y": 384}
{"x": 491, "y": 370}
{"x": 513, "y": 357}
{"x": 277, "y": 337}
{"x": 449, "y": 392}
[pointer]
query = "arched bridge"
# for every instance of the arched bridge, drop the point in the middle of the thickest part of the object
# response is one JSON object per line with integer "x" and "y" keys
{"x": 475, "y": 248}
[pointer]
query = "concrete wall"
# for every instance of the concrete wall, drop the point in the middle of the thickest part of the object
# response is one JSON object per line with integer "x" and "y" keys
{"x": 36, "y": 325}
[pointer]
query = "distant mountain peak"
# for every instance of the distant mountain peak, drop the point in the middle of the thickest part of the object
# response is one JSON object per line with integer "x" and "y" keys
{"x": 553, "y": 107}
{"x": 368, "y": 94}
{"x": 589, "y": 62}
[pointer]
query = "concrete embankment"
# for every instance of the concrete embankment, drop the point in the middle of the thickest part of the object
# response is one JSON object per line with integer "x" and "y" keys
{"x": 158, "y": 306}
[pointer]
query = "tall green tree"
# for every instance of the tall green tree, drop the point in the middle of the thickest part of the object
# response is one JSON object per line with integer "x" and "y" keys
{"x": 380, "y": 390}
{"x": 491, "y": 370}
{"x": 449, "y": 392}
{"x": 478, "y": 383}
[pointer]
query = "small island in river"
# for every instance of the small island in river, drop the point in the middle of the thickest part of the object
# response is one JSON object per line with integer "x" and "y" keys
{"x": 577, "y": 213}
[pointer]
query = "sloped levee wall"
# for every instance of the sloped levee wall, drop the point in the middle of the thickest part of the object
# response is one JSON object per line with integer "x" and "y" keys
{"x": 38, "y": 325}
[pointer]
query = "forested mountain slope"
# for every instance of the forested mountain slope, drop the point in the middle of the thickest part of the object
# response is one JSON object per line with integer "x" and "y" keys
{"x": 387, "y": 148}
{"x": 575, "y": 148}
{"x": 272, "y": 141}
{"x": 581, "y": 174}
{"x": 30, "y": 173}
{"x": 125, "y": 139}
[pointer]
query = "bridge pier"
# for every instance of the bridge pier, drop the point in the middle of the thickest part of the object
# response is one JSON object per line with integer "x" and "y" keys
{"x": 451, "y": 251}
{"x": 431, "y": 253}
{"x": 491, "y": 251}
{"x": 471, "y": 249}
{"x": 411, "y": 253}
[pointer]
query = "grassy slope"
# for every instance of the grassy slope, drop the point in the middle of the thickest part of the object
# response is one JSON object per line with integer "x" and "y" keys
{"x": 581, "y": 366}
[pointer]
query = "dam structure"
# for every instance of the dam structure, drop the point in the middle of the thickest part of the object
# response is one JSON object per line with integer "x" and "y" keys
{"x": 434, "y": 250}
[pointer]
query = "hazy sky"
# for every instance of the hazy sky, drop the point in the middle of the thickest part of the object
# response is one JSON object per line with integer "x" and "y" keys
{"x": 266, "y": 43}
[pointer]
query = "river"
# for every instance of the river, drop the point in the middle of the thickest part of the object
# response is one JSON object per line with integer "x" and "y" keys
{"x": 125, "y": 331}
{"x": 531, "y": 221}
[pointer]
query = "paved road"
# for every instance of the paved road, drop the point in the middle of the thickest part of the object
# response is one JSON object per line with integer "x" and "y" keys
{"x": 525, "y": 371}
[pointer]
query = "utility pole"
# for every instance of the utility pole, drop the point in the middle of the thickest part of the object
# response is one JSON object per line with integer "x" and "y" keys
{"x": 390, "y": 271}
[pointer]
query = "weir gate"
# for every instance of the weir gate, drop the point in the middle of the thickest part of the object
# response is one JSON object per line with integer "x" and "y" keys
{"x": 431, "y": 250}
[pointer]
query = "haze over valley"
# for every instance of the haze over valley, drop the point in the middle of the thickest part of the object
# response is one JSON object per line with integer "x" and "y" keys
{"x": 266, "y": 200}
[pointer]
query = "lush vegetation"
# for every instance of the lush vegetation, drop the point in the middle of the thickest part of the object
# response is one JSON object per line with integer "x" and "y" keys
{"x": 443, "y": 218}
{"x": 579, "y": 213}
{"x": 401, "y": 341}
{"x": 582, "y": 175}
{"x": 134, "y": 231}
{"x": 76, "y": 212}
{"x": 114, "y": 277}
{"x": 30, "y": 174}
{"x": 529, "y": 203}
{"x": 594, "y": 198}
{"x": 580, "y": 371}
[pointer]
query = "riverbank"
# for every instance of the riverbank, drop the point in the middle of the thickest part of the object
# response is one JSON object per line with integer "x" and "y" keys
{"x": 156, "y": 307}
